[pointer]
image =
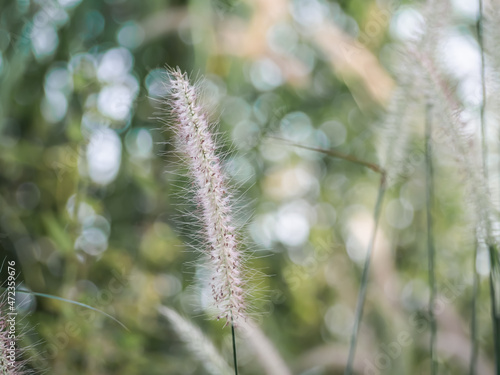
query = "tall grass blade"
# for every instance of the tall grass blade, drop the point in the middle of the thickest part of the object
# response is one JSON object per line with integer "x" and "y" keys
{"x": 493, "y": 251}
{"x": 49, "y": 296}
{"x": 484, "y": 140}
{"x": 431, "y": 254}
{"x": 495, "y": 312}
{"x": 364, "y": 278}
{"x": 366, "y": 268}
{"x": 476, "y": 282}
{"x": 473, "y": 323}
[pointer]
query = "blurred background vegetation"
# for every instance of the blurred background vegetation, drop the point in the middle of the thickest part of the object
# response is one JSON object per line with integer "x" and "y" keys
{"x": 89, "y": 195}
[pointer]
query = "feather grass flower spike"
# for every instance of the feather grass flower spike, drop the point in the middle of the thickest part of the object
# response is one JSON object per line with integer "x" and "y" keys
{"x": 189, "y": 120}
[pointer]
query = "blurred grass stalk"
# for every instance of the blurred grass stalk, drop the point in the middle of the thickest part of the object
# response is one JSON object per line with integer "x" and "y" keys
{"x": 492, "y": 247}
{"x": 364, "y": 277}
{"x": 473, "y": 328}
{"x": 476, "y": 282}
{"x": 366, "y": 268}
{"x": 429, "y": 177}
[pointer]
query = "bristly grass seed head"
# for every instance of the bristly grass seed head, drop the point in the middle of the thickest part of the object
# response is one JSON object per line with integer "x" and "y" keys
{"x": 195, "y": 140}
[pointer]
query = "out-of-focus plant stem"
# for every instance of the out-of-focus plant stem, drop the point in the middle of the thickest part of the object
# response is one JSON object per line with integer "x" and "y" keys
{"x": 364, "y": 277}
{"x": 473, "y": 323}
{"x": 495, "y": 314}
{"x": 476, "y": 285}
{"x": 431, "y": 254}
{"x": 366, "y": 268}
{"x": 492, "y": 248}
{"x": 336, "y": 154}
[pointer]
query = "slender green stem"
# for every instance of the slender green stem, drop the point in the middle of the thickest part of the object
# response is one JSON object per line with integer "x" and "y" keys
{"x": 366, "y": 268}
{"x": 484, "y": 143}
{"x": 364, "y": 278}
{"x": 234, "y": 348}
{"x": 495, "y": 313}
{"x": 430, "y": 237}
{"x": 473, "y": 323}
{"x": 493, "y": 251}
